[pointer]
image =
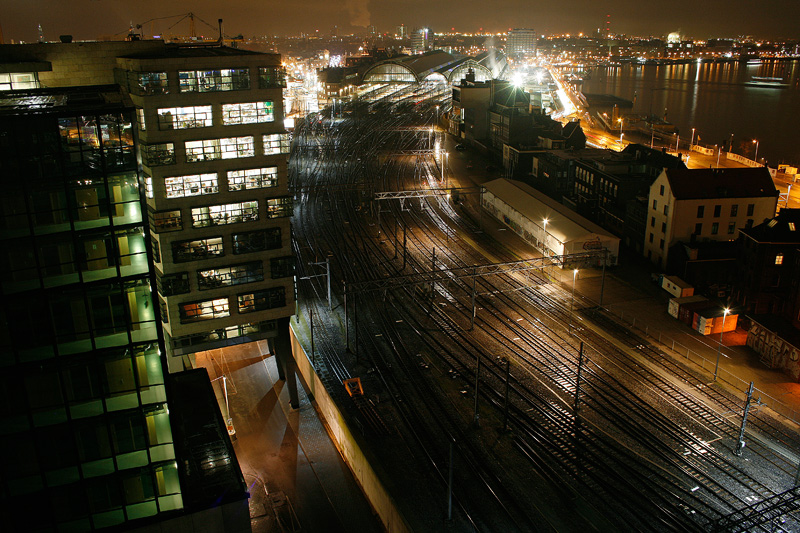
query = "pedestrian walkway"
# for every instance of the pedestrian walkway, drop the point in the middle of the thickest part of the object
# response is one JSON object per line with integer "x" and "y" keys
{"x": 295, "y": 475}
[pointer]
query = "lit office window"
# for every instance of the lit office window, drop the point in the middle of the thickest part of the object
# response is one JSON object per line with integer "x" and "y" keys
{"x": 280, "y": 207}
{"x": 204, "y": 81}
{"x": 277, "y": 143}
{"x": 140, "y": 119}
{"x": 182, "y": 118}
{"x": 148, "y": 186}
{"x": 19, "y": 80}
{"x": 248, "y": 113}
{"x": 205, "y": 310}
{"x": 779, "y": 259}
{"x": 227, "y": 148}
{"x": 231, "y": 275}
{"x": 194, "y": 185}
{"x": 261, "y": 300}
{"x": 252, "y": 178}
{"x": 218, "y": 215}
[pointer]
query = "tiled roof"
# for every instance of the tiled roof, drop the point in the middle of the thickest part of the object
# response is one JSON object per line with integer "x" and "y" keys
{"x": 784, "y": 228}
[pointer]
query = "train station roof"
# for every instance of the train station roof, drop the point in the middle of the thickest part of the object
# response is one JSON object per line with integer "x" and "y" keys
{"x": 436, "y": 65}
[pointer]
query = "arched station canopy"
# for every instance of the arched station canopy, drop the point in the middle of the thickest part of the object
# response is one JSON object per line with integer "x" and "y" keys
{"x": 437, "y": 66}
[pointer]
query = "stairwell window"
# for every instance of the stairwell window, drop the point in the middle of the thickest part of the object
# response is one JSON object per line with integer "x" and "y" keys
{"x": 779, "y": 259}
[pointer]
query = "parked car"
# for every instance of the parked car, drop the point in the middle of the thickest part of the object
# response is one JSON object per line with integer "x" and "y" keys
{"x": 460, "y": 147}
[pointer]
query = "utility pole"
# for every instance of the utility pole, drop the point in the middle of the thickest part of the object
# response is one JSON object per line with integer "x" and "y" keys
{"x": 474, "y": 282}
{"x": 505, "y": 397}
{"x": 740, "y": 444}
{"x": 476, "y": 418}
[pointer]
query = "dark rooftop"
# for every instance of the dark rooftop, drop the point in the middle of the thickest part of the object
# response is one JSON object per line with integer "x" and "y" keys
{"x": 784, "y": 228}
{"x": 61, "y": 99}
{"x": 209, "y": 472}
{"x": 171, "y": 50}
{"x": 689, "y": 184}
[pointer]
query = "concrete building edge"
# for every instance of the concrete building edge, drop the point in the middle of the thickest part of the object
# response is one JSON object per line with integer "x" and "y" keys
{"x": 377, "y": 495}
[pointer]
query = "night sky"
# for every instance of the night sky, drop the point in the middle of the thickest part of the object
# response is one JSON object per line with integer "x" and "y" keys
{"x": 88, "y": 19}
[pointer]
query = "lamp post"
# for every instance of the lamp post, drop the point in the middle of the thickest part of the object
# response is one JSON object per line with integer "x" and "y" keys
{"x": 677, "y": 141}
{"x": 719, "y": 346}
{"x": 719, "y": 150}
{"x": 444, "y": 162}
{"x": 620, "y": 129}
{"x": 544, "y": 239}
{"x": 572, "y": 301}
{"x": 437, "y": 116}
{"x": 691, "y": 142}
{"x": 755, "y": 157}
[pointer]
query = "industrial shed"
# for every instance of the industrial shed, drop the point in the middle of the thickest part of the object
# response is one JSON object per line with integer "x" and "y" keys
{"x": 550, "y": 227}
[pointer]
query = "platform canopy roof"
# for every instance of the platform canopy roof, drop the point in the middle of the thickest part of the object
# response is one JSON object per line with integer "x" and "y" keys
{"x": 436, "y": 66}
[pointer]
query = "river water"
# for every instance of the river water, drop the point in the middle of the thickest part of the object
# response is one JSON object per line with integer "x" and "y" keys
{"x": 717, "y": 99}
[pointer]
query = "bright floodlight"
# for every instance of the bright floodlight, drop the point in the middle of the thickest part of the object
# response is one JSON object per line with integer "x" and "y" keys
{"x": 517, "y": 80}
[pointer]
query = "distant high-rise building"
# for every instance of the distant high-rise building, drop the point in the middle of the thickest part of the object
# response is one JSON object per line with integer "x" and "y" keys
{"x": 521, "y": 43}
{"x": 422, "y": 40}
{"x": 401, "y": 31}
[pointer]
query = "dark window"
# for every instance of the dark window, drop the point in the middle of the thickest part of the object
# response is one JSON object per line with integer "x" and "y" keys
{"x": 282, "y": 267}
{"x": 663, "y": 227}
{"x": 230, "y": 275}
{"x": 154, "y": 155}
{"x": 714, "y": 228}
{"x": 271, "y": 77}
{"x": 655, "y": 204}
{"x": 698, "y": 228}
{"x": 652, "y": 222}
{"x": 717, "y": 210}
{"x": 734, "y": 210}
{"x": 183, "y": 251}
{"x": 156, "y": 250}
{"x": 666, "y": 209}
{"x": 651, "y": 237}
{"x": 662, "y": 191}
{"x": 127, "y": 432}
{"x": 701, "y": 211}
{"x": 162, "y": 305}
{"x": 731, "y": 228}
{"x": 261, "y": 300}
{"x": 256, "y": 241}
{"x": 163, "y": 221}
{"x": 171, "y": 284}
{"x": 750, "y": 209}
{"x": 661, "y": 244}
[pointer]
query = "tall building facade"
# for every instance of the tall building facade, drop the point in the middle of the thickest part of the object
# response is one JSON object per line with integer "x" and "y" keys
{"x": 212, "y": 150}
{"x": 214, "y": 158}
{"x": 521, "y": 43}
{"x": 85, "y": 424}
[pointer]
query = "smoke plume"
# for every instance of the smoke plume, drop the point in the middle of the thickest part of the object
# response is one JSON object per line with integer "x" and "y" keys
{"x": 359, "y": 13}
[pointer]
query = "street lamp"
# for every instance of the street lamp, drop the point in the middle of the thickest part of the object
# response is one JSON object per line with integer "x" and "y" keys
{"x": 691, "y": 142}
{"x": 719, "y": 150}
{"x": 719, "y": 346}
{"x": 572, "y": 301}
{"x": 620, "y": 129}
{"x": 755, "y": 157}
{"x": 437, "y": 116}
{"x": 444, "y": 162}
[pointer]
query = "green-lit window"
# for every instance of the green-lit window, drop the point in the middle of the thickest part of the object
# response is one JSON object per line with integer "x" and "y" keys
{"x": 271, "y": 77}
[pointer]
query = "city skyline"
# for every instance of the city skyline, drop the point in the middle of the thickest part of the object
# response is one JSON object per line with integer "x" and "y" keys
{"x": 20, "y": 20}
